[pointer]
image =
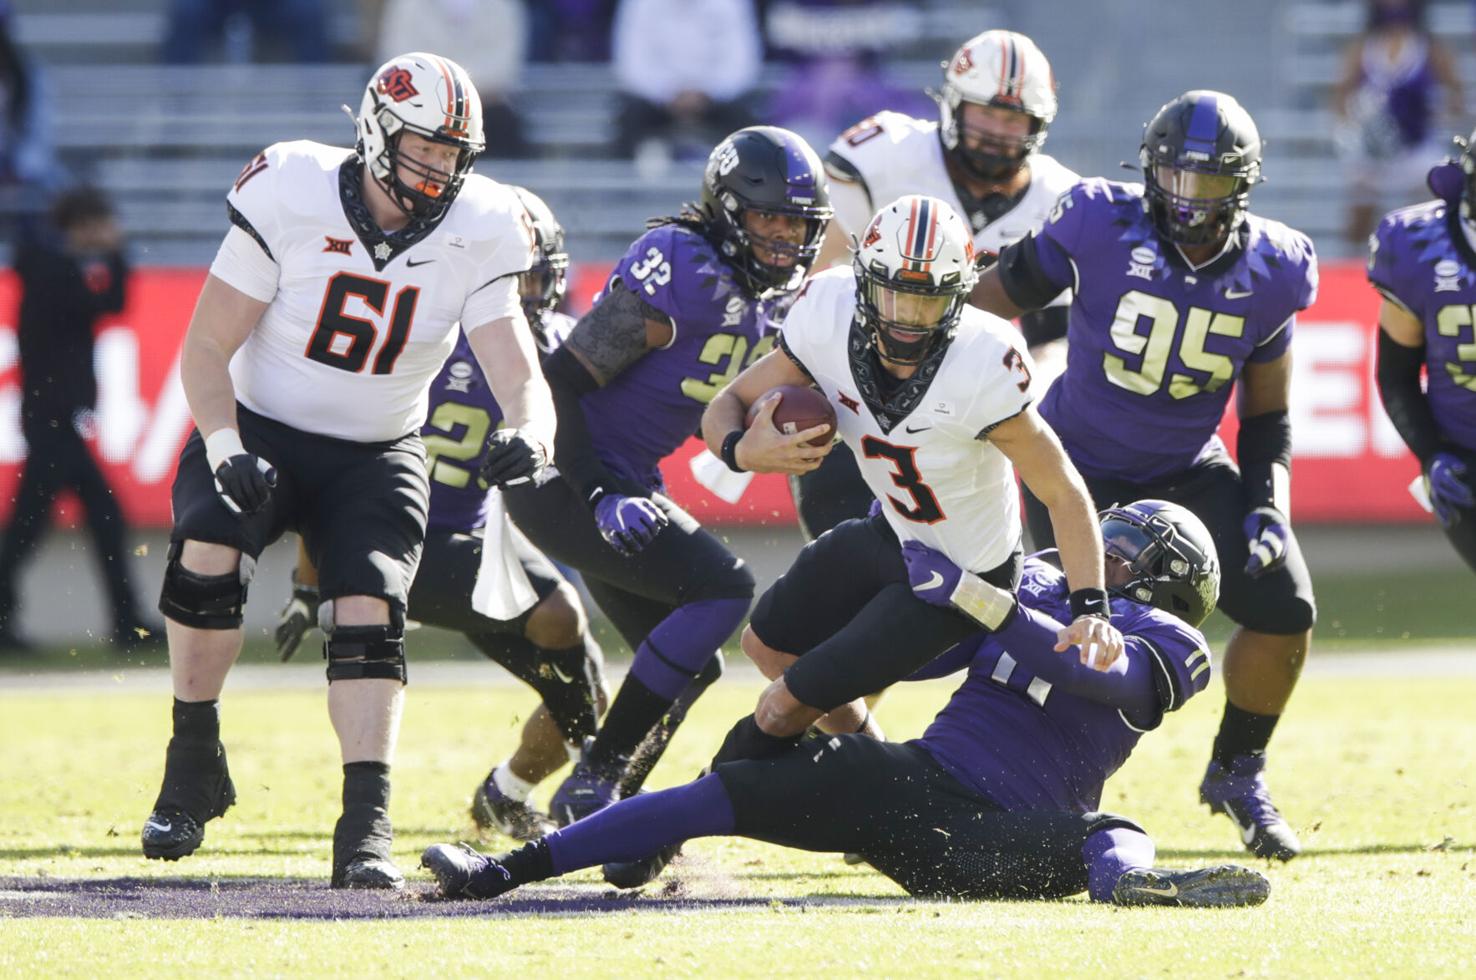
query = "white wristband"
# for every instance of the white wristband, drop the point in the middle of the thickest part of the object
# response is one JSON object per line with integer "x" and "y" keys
{"x": 986, "y": 604}
{"x": 221, "y": 445}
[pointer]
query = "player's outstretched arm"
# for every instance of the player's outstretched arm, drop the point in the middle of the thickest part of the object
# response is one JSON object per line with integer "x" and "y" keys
{"x": 1043, "y": 465}
{"x": 224, "y": 317}
{"x": 761, "y": 448}
{"x": 504, "y": 349}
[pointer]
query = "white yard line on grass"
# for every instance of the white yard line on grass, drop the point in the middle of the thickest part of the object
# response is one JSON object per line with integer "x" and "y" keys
{"x": 1452, "y": 661}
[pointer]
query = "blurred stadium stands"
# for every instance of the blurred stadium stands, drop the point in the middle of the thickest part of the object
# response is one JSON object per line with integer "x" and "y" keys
{"x": 166, "y": 140}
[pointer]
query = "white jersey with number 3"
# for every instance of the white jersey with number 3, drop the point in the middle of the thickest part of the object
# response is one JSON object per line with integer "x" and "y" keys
{"x": 354, "y": 334}
{"x": 938, "y": 479}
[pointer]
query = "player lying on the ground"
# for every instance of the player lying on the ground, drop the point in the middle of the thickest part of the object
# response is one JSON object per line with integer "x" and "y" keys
{"x": 998, "y": 798}
{"x": 1421, "y": 260}
{"x": 480, "y": 577}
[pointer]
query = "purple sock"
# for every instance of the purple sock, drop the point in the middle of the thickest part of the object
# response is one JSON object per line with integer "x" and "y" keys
{"x": 682, "y": 644}
{"x": 1108, "y": 853}
{"x": 642, "y": 825}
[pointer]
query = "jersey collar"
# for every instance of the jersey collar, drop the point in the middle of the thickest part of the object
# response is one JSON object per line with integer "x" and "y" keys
{"x": 382, "y": 248}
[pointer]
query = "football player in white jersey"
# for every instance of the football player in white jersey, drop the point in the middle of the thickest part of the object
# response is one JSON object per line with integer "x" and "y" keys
{"x": 982, "y": 156}
{"x": 331, "y": 304}
{"x": 934, "y": 398}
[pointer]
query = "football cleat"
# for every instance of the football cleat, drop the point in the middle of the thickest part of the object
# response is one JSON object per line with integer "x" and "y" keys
{"x": 634, "y": 874}
{"x": 361, "y": 850}
{"x": 1226, "y": 886}
{"x": 197, "y": 788}
{"x": 493, "y": 809}
{"x": 1241, "y": 793}
{"x": 461, "y": 872}
{"x": 585, "y": 791}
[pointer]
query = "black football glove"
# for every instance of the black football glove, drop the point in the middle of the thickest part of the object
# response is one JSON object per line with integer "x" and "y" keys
{"x": 512, "y": 458}
{"x": 297, "y": 617}
{"x": 245, "y": 482}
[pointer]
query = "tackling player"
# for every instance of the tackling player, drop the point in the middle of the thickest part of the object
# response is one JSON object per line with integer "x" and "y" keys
{"x": 683, "y": 311}
{"x": 1422, "y": 259}
{"x": 934, "y": 398}
{"x": 480, "y": 577}
{"x": 982, "y": 156}
{"x": 999, "y": 797}
{"x": 1180, "y": 293}
{"x": 332, "y": 303}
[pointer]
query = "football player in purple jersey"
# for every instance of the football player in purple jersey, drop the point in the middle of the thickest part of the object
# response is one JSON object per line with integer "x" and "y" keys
{"x": 1423, "y": 260}
{"x": 1181, "y": 294}
{"x": 686, "y": 308}
{"x": 542, "y": 639}
{"x": 999, "y": 797}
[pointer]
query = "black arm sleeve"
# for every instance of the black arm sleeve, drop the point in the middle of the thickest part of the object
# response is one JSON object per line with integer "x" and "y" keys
{"x": 1399, "y": 386}
{"x": 1264, "y": 441}
{"x": 1044, "y": 326}
{"x": 574, "y": 452}
{"x": 1022, "y": 277}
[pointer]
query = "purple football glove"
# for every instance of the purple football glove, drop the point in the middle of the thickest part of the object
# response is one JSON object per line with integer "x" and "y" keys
{"x": 1266, "y": 532}
{"x": 875, "y": 509}
{"x": 1449, "y": 494}
{"x": 932, "y": 576}
{"x": 628, "y": 524}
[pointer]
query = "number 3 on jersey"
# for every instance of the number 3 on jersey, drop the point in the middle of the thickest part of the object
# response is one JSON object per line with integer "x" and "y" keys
{"x": 924, "y": 509}
{"x": 344, "y": 341}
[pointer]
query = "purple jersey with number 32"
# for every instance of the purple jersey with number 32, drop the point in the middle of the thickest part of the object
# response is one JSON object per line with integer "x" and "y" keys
{"x": 1154, "y": 346}
{"x": 1420, "y": 259}
{"x": 653, "y": 406}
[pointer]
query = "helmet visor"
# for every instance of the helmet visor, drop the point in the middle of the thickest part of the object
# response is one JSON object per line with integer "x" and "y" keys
{"x": 917, "y": 310}
{"x": 1194, "y": 186}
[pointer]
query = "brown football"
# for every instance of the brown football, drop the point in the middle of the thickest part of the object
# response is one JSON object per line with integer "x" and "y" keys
{"x": 800, "y": 407}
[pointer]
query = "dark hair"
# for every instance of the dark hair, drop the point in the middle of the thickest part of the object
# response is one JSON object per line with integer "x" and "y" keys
{"x": 1410, "y": 12}
{"x": 79, "y": 204}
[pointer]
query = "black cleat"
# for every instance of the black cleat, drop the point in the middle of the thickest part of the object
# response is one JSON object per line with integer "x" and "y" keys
{"x": 361, "y": 850}
{"x": 197, "y": 789}
{"x": 170, "y": 834}
{"x": 461, "y": 872}
{"x": 1227, "y": 886}
{"x": 492, "y": 809}
{"x": 634, "y": 874}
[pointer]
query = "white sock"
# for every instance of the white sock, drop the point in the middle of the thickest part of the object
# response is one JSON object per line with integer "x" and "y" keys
{"x": 510, "y": 784}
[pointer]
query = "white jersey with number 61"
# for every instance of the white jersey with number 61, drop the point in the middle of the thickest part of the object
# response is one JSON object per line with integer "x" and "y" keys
{"x": 357, "y": 327}
{"x": 923, "y": 450}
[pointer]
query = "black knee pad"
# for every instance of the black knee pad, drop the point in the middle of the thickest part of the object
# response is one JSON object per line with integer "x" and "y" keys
{"x": 204, "y": 602}
{"x": 1284, "y": 616}
{"x": 365, "y": 653}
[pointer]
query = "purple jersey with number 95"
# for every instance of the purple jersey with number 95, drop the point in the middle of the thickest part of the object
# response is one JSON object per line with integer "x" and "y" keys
{"x": 1155, "y": 346}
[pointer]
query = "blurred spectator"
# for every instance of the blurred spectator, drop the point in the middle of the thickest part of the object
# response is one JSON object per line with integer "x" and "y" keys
{"x": 570, "y": 30}
{"x": 684, "y": 68}
{"x": 69, "y": 276}
{"x": 26, "y": 155}
{"x": 246, "y": 30}
{"x": 833, "y": 51}
{"x": 1388, "y": 103}
{"x": 489, "y": 38}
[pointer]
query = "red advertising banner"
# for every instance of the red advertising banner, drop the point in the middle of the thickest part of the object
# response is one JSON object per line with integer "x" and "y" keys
{"x": 1350, "y": 464}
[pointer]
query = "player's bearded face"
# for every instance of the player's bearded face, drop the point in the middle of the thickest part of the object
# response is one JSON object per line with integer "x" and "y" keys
{"x": 776, "y": 238}
{"x": 992, "y": 138}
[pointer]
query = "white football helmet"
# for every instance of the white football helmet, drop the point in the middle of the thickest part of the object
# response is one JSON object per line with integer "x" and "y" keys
{"x": 1006, "y": 70}
{"x": 432, "y": 97}
{"x": 914, "y": 271}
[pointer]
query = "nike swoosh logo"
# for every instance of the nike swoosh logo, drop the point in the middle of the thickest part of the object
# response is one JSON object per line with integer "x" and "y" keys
{"x": 1172, "y": 891}
{"x": 411, "y": 263}
{"x": 1237, "y": 294}
{"x": 911, "y": 431}
{"x": 1247, "y": 830}
{"x": 559, "y": 673}
{"x": 933, "y": 582}
{"x": 162, "y": 828}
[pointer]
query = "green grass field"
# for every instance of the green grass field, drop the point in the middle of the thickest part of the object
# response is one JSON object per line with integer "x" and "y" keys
{"x": 1376, "y": 773}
